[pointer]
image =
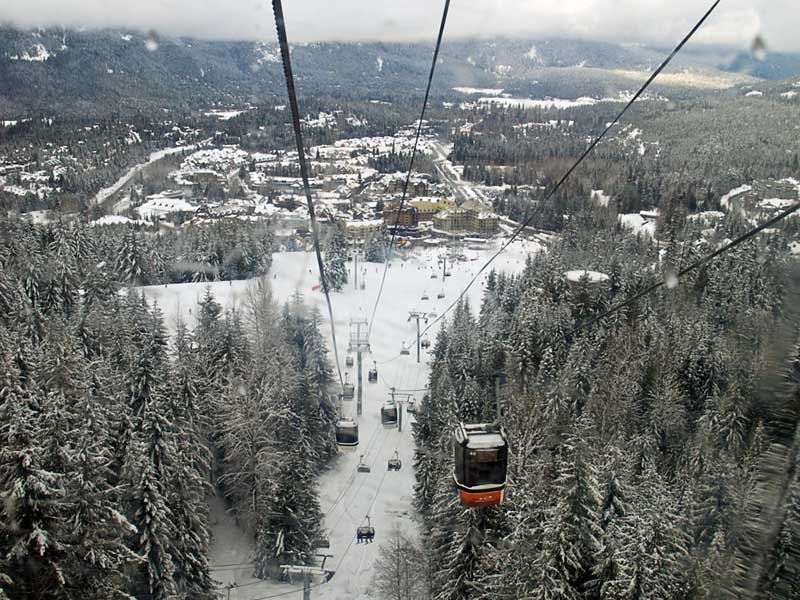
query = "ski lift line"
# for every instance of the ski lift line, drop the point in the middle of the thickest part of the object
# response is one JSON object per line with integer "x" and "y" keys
{"x": 372, "y": 504}
{"x": 580, "y": 159}
{"x": 230, "y": 567}
{"x": 353, "y": 475}
{"x": 280, "y": 25}
{"x": 295, "y": 591}
{"x": 411, "y": 161}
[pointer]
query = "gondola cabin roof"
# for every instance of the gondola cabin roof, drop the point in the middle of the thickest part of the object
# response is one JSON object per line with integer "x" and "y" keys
{"x": 480, "y": 436}
{"x": 485, "y": 440}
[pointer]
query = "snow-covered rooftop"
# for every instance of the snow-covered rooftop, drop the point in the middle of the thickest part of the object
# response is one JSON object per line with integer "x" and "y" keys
{"x": 592, "y": 276}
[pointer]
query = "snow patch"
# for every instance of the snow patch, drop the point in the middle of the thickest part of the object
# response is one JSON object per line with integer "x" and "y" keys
{"x": 725, "y": 201}
{"x": 379, "y": 64}
{"x": 267, "y": 53}
{"x": 591, "y": 276}
{"x": 790, "y": 94}
{"x": 533, "y": 54}
{"x": 223, "y": 115}
{"x": 638, "y": 225}
{"x": 754, "y": 93}
{"x": 482, "y": 91}
{"x": 777, "y": 203}
{"x": 37, "y": 54}
{"x": 117, "y": 220}
{"x": 600, "y": 198}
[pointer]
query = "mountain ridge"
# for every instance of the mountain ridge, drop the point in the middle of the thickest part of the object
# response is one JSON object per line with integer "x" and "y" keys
{"x": 51, "y": 71}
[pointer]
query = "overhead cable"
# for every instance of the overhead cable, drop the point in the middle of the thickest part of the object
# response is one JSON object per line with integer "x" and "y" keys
{"x": 410, "y": 162}
{"x": 280, "y": 25}
{"x": 575, "y": 165}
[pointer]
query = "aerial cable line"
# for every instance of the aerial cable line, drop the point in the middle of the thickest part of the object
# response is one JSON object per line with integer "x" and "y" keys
{"x": 411, "y": 162}
{"x": 575, "y": 165}
{"x": 695, "y": 265}
{"x": 280, "y": 25}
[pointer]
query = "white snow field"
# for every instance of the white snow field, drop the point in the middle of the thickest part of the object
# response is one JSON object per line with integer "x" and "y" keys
{"x": 345, "y": 495}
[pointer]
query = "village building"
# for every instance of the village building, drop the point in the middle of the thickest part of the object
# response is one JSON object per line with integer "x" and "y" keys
{"x": 428, "y": 207}
{"x": 360, "y": 231}
{"x": 472, "y": 217}
{"x": 409, "y": 217}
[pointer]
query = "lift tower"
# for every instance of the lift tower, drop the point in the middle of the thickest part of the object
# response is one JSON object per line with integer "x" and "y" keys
{"x": 359, "y": 343}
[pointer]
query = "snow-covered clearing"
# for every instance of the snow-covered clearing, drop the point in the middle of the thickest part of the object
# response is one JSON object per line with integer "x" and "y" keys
{"x": 223, "y": 115}
{"x": 345, "y": 495}
{"x": 638, "y": 224}
{"x": 482, "y": 91}
{"x": 531, "y": 103}
{"x": 117, "y": 220}
{"x": 590, "y": 276}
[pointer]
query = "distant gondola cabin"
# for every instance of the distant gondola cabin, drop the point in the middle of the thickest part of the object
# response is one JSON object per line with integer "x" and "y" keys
{"x": 481, "y": 460}
{"x": 389, "y": 415}
{"x": 346, "y": 434}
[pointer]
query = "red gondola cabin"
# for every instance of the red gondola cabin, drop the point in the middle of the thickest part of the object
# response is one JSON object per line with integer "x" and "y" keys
{"x": 481, "y": 460}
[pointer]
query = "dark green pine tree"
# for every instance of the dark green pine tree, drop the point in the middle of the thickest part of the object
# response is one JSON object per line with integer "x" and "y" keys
{"x": 96, "y": 529}
{"x": 131, "y": 260}
{"x": 335, "y": 263}
{"x": 571, "y": 535}
{"x": 33, "y": 510}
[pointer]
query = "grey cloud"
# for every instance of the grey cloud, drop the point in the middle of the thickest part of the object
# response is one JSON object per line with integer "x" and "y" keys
{"x": 661, "y": 22}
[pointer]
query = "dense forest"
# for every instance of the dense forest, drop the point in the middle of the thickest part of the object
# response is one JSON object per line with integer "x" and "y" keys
{"x": 635, "y": 442}
{"x": 113, "y": 434}
{"x": 699, "y": 148}
{"x": 56, "y": 259}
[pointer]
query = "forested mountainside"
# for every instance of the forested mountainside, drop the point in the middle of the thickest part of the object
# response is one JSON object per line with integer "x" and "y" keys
{"x": 110, "y": 433}
{"x": 635, "y": 443}
{"x": 59, "y": 71}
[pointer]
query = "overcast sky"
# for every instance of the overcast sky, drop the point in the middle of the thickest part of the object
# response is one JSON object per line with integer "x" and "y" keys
{"x": 660, "y": 22}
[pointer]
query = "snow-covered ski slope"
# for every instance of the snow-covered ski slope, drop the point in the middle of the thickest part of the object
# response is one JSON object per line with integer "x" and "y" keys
{"x": 345, "y": 495}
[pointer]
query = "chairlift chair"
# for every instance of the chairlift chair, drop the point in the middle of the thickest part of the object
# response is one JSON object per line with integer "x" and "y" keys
{"x": 394, "y": 464}
{"x": 365, "y": 533}
{"x": 433, "y": 275}
{"x": 349, "y": 360}
{"x": 346, "y": 434}
{"x": 440, "y": 295}
{"x": 425, "y": 296}
{"x": 322, "y": 542}
{"x": 411, "y": 406}
{"x": 404, "y": 351}
{"x": 425, "y": 343}
{"x": 362, "y": 466}
{"x": 389, "y": 415}
{"x": 481, "y": 461}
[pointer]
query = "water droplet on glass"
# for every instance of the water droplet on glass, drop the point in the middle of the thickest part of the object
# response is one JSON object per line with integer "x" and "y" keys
{"x": 151, "y": 43}
{"x": 759, "y": 48}
{"x": 671, "y": 278}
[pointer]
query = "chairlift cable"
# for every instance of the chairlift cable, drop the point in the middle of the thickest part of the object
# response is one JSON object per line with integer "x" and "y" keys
{"x": 280, "y": 25}
{"x": 411, "y": 162}
{"x": 589, "y": 149}
{"x": 695, "y": 265}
